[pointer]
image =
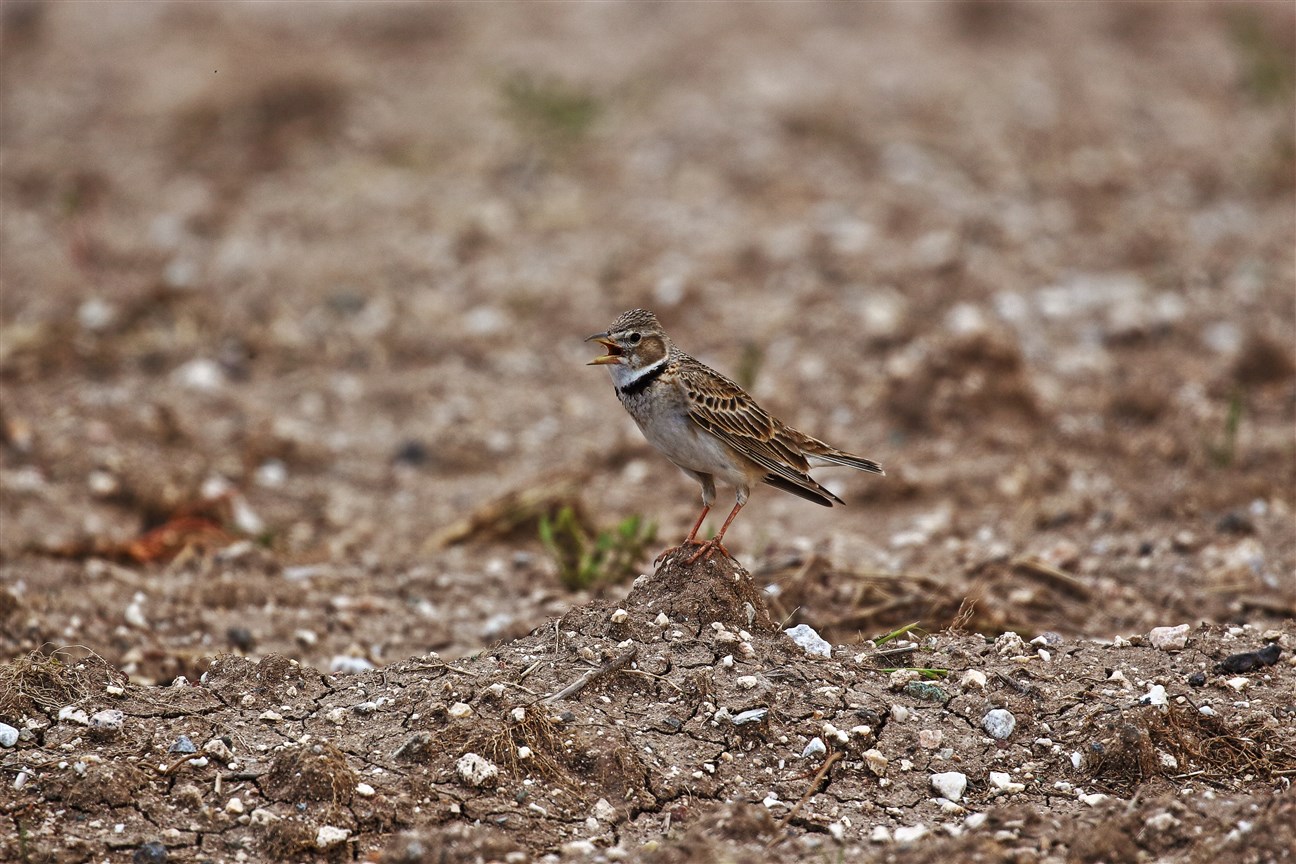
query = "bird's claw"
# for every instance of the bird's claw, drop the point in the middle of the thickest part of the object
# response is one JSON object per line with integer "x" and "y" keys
{"x": 706, "y": 550}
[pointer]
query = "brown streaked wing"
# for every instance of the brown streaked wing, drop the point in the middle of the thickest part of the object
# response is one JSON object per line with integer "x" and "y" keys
{"x": 721, "y": 407}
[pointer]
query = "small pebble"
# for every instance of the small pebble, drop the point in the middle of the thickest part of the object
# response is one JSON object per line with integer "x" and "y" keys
{"x": 973, "y": 678}
{"x": 8, "y": 735}
{"x": 1156, "y": 696}
{"x": 811, "y": 642}
{"x": 747, "y": 682}
{"x": 1249, "y": 661}
{"x": 999, "y": 723}
{"x": 1003, "y": 781}
{"x": 108, "y": 720}
{"x": 752, "y": 715}
{"x": 329, "y": 836}
{"x": 910, "y": 833}
{"x": 1168, "y": 638}
{"x": 364, "y": 790}
{"x": 1197, "y": 679}
{"x": 183, "y": 745}
{"x": 343, "y": 664}
{"x": 814, "y": 748}
{"x": 151, "y": 852}
{"x": 234, "y": 806}
{"x": 460, "y": 710}
{"x": 926, "y": 691}
{"x": 950, "y": 785}
{"x": 930, "y": 739}
{"x": 620, "y": 616}
{"x": 476, "y": 771}
{"x": 876, "y": 762}
{"x": 73, "y": 714}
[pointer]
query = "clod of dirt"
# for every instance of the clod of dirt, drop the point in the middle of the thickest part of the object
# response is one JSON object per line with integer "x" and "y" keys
{"x": 40, "y": 683}
{"x": 315, "y": 772}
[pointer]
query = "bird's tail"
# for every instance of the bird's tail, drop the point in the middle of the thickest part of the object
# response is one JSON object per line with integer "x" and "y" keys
{"x": 825, "y": 455}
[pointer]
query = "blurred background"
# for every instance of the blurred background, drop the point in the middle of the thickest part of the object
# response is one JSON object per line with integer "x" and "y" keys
{"x": 294, "y": 294}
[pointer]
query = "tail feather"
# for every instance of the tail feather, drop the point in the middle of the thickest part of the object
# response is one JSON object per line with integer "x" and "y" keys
{"x": 808, "y": 489}
{"x": 837, "y": 457}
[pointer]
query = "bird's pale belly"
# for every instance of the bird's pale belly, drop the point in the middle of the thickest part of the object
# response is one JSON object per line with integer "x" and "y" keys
{"x": 689, "y": 447}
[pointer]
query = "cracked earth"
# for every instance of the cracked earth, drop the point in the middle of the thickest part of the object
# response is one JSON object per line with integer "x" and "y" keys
{"x": 290, "y": 348}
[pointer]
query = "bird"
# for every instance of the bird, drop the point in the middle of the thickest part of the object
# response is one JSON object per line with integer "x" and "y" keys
{"x": 709, "y": 426}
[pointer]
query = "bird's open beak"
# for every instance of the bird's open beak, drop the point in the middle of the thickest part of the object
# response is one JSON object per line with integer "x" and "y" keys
{"x": 613, "y": 354}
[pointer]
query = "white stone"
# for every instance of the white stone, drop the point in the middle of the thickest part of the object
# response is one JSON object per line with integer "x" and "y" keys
{"x": 364, "y": 790}
{"x": 973, "y": 678}
{"x": 1093, "y": 799}
{"x": 930, "y": 739}
{"x": 524, "y": 753}
{"x": 811, "y": 642}
{"x": 999, "y": 723}
{"x": 200, "y": 374}
{"x": 900, "y": 677}
{"x": 1156, "y": 696}
{"x": 1239, "y": 683}
{"x": 620, "y": 616}
{"x": 747, "y": 682}
{"x": 8, "y": 735}
{"x": 910, "y": 833}
{"x": 661, "y": 620}
{"x": 949, "y": 784}
{"x": 460, "y": 710}
{"x": 73, "y": 714}
{"x": 880, "y": 834}
{"x": 1003, "y": 781}
{"x": 329, "y": 836}
{"x": 344, "y": 664}
{"x": 814, "y": 748}
{"x": 476, "y": 770}
{"x": 603, "y": 811}
{"x": 234, "y": 806}
{"x": 875, "y": 761}
{"x": 262, "y": 817}
{"x": 108, "y": 720}
{"x": 1168, "y": 638}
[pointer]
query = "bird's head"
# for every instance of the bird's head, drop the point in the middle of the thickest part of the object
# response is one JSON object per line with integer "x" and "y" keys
{"x": 635, "y": 340}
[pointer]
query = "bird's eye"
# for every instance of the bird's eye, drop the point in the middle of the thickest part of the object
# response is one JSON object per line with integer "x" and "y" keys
{"x": 633, "y": 338}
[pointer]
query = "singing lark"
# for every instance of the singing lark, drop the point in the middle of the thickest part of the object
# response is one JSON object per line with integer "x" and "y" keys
{"x": 708, "y": 425}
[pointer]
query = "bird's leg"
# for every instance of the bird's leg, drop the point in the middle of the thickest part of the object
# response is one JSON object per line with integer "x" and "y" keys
{"x": 706, "y": 508}
{"x": 716, "y": 542}
{"x": 692, "y": 538}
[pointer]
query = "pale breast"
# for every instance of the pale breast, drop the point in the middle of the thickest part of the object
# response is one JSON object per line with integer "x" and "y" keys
{"x": 662, "y": 415}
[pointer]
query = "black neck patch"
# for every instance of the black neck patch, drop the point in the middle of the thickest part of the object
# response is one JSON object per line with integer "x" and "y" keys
{"x": 641, "y": 383}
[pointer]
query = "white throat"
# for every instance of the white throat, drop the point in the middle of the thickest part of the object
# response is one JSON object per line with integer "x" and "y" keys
{"x": 623, "y": 376}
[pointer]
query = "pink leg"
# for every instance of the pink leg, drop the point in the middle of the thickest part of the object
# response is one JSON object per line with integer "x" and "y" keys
{"x": 715, "y": 543}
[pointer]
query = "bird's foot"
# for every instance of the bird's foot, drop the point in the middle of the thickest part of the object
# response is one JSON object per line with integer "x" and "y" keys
{"x": 666, "y": 553}
{"x": 707, "y": 549}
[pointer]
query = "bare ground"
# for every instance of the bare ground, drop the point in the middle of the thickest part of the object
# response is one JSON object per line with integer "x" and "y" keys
{"x": 291, "y": 363}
